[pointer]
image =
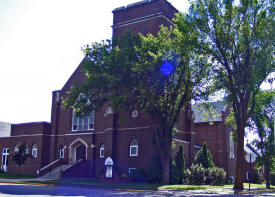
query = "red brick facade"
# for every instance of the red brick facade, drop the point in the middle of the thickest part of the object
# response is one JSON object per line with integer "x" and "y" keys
{"x": 116, "y": 136}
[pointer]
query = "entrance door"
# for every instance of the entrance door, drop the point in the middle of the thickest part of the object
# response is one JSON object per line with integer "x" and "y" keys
{"x": 4, "y": 161}
{"x": 80, "y": 152}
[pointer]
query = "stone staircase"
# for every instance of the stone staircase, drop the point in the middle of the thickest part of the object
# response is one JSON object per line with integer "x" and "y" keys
{"x": 55, "y": 173}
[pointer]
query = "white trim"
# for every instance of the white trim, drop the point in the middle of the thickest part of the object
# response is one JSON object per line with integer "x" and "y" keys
{"x": 91, "y": 114}
{"x": 78, "y": 140}
{"x": 49, "y": 165}
{"x": 87, "y": 133}
{"x": 74, "y": 148}
{"x": 177, "y": 140}
{"x": 108, "y": 129}
{"x": 133, "y": 128}
{"x": 4, "y": 154}
{"x": 186, "y": 132}
{"x": 79, "y": 134}
{"x": 34, "y": 151}
{"x": 142, "y": 19}
{"x": 61, "y": 153}
{"x": 133, "y": 146}
{"x": 101, "y": 147}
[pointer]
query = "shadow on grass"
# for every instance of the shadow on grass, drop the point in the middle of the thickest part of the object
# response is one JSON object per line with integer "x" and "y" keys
{"x": 15, "y": 176}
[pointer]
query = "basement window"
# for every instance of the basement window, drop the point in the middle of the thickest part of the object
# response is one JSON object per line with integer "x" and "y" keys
{"x": 131, "y": 170}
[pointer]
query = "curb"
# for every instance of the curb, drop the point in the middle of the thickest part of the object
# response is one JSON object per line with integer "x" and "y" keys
{"x": 257, "y": 191}
{"x": 26, "y": 183}
{"x": 137, "y": 190}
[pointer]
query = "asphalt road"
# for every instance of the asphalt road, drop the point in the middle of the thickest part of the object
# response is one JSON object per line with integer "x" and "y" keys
{"x": 11, "y": 190}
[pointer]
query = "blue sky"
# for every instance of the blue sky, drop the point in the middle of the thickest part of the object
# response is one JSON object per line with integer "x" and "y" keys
{"x": 40, "y": 43}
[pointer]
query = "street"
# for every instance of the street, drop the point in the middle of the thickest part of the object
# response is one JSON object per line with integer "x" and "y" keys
{"x": 11, "y": 190}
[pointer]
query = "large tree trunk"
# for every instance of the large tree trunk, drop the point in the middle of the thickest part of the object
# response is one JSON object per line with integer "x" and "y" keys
{"x": 165, "y": 149}
{"x": 238, "y": 185}
{"x": 267, "y": 176}
{"x": 165, "y": 169}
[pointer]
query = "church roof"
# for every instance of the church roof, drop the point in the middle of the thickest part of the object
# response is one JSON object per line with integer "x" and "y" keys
{"x": 208, "y": 113}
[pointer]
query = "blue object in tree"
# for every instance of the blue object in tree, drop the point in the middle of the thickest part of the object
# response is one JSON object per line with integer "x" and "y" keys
{"x": 167, "y": 68}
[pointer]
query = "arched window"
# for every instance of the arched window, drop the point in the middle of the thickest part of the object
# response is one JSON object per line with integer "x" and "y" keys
{"x": 134, "y": 148}
{"x": 61, "y": 151}
{"x": 16, "y": 148}
{"x": 101, "y": 151}
{"x": 231, "y": 145}
{"x": 26, "y": 149}
{"x": 34, "y": 150}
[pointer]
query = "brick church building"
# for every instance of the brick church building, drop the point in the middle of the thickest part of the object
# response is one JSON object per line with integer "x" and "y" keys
{"x": 69, "y": 146}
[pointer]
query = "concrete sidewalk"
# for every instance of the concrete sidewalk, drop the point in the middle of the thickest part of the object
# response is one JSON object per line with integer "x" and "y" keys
{"x": 212, "y": 191}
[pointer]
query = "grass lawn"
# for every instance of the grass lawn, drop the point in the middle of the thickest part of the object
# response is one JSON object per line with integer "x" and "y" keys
{"x": 189, "y": 187}
{"x": 15, "y": 176}
{"x": 137, "y": 185}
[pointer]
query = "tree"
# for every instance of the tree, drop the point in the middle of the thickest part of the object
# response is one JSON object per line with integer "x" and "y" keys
{"x": 21, "y": 156}
{"x": 155, "y": 74}
{"x": 238, "y": 37}
{"x": 263, "y": 124}
{"x": 180, "y": 164}
{"x": 204, "y": 157}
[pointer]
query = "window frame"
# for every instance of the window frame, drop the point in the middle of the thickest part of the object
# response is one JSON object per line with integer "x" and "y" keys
{"x": 132, "y": 145}
{"x": 34, "y": 150}
{"x": 82, "y": 120}
{"x": 101, "y": 148}
{"x": 61, "y": 152}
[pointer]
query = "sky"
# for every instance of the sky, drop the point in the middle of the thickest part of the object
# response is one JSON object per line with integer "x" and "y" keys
{"x": 40, "y": 47}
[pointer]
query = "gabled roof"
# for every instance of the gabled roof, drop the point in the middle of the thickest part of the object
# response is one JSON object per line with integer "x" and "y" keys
{"x": 202, "y": 114}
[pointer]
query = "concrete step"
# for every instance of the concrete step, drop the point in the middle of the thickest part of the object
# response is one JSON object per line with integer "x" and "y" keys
{"x": 54, "y": 174}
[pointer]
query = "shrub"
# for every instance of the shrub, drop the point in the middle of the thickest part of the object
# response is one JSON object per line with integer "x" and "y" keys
{"x": 173, "y": 178}
{"x": 204, "y": 157}
{"x": 195, "y": 175}
{"x": 138, "y": 175}
{"x": 217, "y": 175}
{"x": 154, "y": 170}
{"x": 272, "y": 178}
{"x": 257, "y": 178}
{"x": 180, "y": 165}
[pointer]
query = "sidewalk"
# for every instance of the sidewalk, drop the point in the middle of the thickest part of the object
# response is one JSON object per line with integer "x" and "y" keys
{"x": 213, "y": 191}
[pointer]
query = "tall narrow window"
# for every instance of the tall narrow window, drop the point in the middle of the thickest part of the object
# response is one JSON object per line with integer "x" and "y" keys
{"x": 34, "y": 150}
{"x": 101, "y": 151}
{"x": 231, "y": 145}
{"x": 16, "y": 148}
{"x": 134, "y": 148}
{"x": 83, "y": 123}
{"x": 61, "y": 152}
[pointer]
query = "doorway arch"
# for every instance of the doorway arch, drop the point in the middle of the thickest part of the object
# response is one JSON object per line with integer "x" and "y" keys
{"x": 78, "y": 150}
